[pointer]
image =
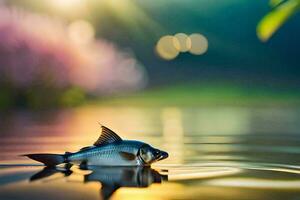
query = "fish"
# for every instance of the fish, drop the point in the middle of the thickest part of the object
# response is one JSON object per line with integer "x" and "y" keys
{"x": 109, "y": 150}
{"x": 111, "y": 178}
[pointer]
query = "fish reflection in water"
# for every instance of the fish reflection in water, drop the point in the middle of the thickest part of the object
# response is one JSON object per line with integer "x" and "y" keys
{"x": 111, "y": 178}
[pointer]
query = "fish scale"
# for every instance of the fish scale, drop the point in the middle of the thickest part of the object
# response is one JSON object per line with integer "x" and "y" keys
{"x": 107, "y": 154}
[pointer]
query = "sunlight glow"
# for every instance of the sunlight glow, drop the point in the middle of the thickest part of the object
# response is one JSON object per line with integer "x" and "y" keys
{"x": 65, "y": 5}
{"x": 256, "y": 183}
{"x": 203, "y": 173}
{"x": 173, "y": 132}
{"x": 81, "y": 32}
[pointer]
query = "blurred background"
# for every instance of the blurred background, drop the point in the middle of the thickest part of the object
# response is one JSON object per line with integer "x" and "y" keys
{"x": 63, "y": 53}
{"x": 215, "y": 83}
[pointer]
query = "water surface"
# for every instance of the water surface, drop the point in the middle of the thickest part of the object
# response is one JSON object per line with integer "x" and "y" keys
{"x": 215, "y": 153}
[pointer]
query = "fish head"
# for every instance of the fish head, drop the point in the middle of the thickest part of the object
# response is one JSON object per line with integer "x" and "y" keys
{"x": 150, "y": 154}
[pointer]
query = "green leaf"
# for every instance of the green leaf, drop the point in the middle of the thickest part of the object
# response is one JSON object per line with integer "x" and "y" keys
{"x": 276, "y": 18}
{"x": 274, "y": 3}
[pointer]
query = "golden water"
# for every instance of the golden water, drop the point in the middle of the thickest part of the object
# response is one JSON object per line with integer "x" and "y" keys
{"x": 215, "y": 152}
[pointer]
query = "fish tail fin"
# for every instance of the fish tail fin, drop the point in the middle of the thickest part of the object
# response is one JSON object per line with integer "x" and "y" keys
{"x": 48, "y": 159}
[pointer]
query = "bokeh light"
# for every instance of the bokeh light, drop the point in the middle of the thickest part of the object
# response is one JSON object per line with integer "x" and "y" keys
{"x": 184, "y": 42}
{"x": 166, "y": 47}
{"x": 199, "y": 44}
{"x": 67, "y": 5}
{"x": 81, "y": 32}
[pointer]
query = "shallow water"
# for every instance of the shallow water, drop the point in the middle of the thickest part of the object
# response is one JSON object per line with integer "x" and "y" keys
{"x": 215, "y": 153}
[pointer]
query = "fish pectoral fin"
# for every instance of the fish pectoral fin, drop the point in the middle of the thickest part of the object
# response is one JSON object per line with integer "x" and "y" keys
{"x": 127, "y": 156}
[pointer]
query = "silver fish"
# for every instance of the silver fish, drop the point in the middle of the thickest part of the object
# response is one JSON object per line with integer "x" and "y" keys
{"x": 108, "y": 150}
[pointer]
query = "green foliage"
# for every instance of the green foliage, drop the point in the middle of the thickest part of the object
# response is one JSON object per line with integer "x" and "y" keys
{"x": 208, "y": 94}
{"x": 282, "y": 11}
{"x": 72, "y": 97}
{"x": 274, "y": 3}
{"x": 5, "y": 98}
{"x": 41, "y": 97}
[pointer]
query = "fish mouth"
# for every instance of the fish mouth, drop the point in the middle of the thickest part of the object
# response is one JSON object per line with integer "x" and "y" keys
{"x": 162, "y": 155}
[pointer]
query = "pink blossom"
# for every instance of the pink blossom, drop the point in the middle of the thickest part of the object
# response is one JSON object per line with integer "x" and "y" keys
{"x": 36, "y": 51}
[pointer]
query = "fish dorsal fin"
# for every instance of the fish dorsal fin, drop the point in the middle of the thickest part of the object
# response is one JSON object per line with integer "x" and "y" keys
{"x": 85, "y": 148}
{"x": 107, "y": 136}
